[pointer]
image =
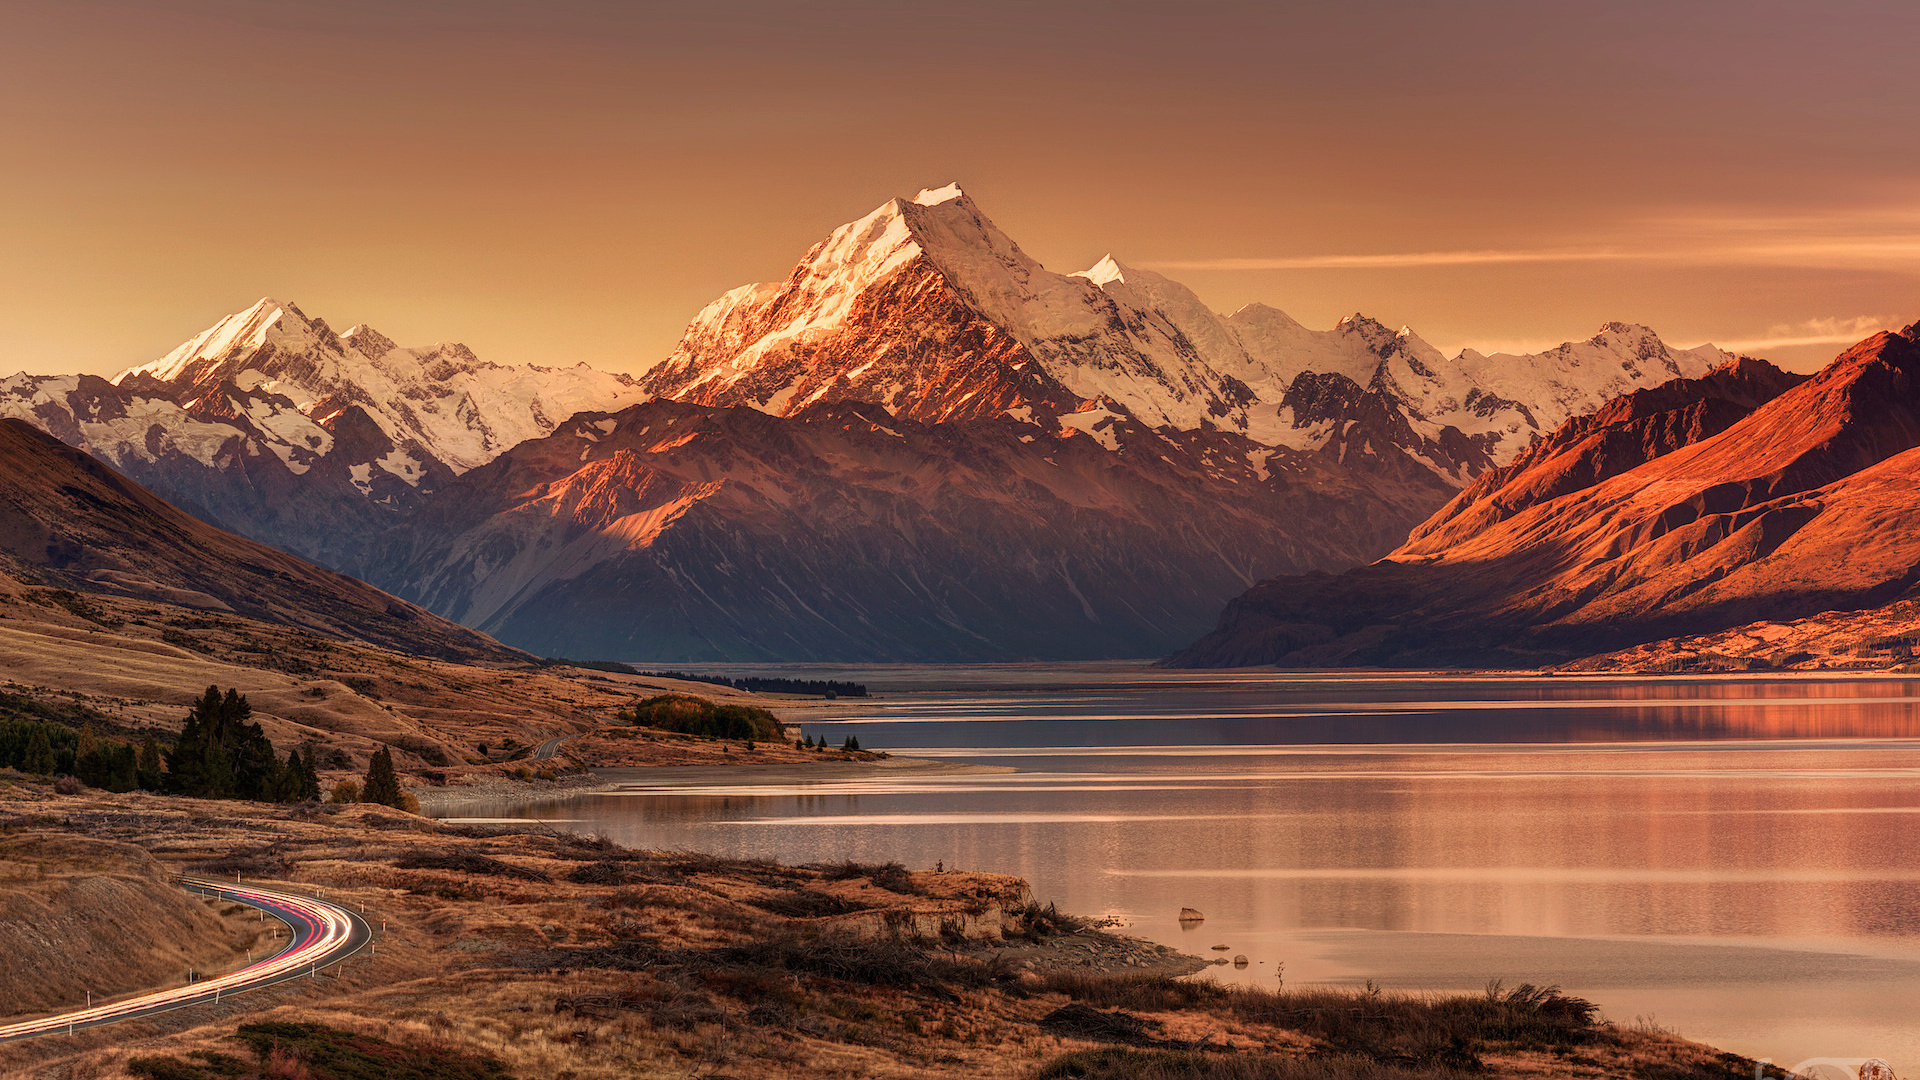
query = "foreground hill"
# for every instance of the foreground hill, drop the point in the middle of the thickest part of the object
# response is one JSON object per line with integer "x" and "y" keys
{"x": 67, "y": 519}
{"x": 520, "y": 950}
{"x": 1704, "y": 505}
{"x": 681, "y": 531}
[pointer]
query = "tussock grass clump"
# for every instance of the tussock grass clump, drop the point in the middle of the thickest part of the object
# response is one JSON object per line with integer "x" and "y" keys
{"x": 1397, "y": 1029}
{"x": 806, "y": 904}
{"x": 1115, "y": 1063}
{"x": 1148, "y": 993}
{"x": 1036, "y": 921}
{"x": 596, "y": 848}
{"x": 468, "y": 862}
{"x": 609, "y": 872}
{"x": 761, "y": 871}
{"x": 890, "y": 876}
{"x": 1418, "y": 1025}
{"x": 265, "y": 862}
{"x": 1077, "y": 1021}
{"x": 318, "y": 1052}
{"x": 885, "y": 961}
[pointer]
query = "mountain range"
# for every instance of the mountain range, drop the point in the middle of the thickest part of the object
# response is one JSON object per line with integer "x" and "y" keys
{"x": 1747, "y": 497}
{"x": 919, "y": 445}
{"x": 270, "y": 424}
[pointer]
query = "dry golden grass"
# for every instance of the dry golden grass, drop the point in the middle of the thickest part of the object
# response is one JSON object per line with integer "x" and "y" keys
{"x": 139, "y": 665}
{"x": 568, "y": 956}
{"x": 80, "y": 915}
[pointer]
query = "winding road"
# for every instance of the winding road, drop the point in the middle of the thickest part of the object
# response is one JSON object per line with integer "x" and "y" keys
{"x": 323, "y": 934}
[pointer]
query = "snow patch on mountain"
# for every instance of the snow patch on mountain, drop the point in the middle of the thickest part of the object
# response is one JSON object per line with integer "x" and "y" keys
{"x": 297, "y": 376}
{"x": 1142, "y": 343}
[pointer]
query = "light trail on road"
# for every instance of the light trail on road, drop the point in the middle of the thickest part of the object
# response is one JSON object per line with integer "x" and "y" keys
{"x": 323, "y": 934}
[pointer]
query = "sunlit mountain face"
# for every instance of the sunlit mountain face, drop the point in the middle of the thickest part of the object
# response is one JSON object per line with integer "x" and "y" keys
{"x": 921, "y": 444}
{"x": 1724, "y": 506}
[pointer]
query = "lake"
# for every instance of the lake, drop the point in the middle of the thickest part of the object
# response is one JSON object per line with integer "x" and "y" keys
{"x": 1738, "y": 859}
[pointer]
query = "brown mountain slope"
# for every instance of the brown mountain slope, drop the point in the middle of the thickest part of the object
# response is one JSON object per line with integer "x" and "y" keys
{"x": 1805, "y": 504}
{"x": 67, "y": 519}
{"x": 678, "y": 532}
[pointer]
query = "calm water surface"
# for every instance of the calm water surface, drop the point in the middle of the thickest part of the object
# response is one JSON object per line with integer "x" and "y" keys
{"x": 1736, "y": 859}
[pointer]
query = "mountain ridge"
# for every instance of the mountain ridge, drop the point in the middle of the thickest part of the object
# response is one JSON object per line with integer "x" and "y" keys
{"x": 68, "y": 519}
{"x": 1758, "y": 496}
{"x": 925, "y": 306}
{"x": 843, "y": 530}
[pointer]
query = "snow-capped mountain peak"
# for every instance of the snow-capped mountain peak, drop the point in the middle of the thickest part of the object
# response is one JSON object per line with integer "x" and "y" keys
{"x": 936, "y": 196}
{"x": 857, "y": 319}
{"x": 927, "y": 308}
{"x": 1107, "y": 269}
{"x": 267, "y": 322}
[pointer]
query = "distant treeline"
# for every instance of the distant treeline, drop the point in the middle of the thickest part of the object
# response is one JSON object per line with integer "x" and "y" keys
{"x": 752, "y": 684}
{"x": 756, "y": 685}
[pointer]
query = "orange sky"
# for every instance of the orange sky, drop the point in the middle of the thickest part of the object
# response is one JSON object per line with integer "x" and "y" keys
{"x": 572, "y": 181}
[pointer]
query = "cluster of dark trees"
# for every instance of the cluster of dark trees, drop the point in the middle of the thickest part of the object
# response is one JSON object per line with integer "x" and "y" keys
{"x": 754, "y": 684}
{"x": 704, "y": 719}
{"x": 50, "y": 748}
{"x": 220, "y": 753}
{"x": 851, "y": 742}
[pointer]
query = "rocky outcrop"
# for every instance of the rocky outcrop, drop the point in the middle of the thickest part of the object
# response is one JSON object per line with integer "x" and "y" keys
{"x": 1703, "y": 505}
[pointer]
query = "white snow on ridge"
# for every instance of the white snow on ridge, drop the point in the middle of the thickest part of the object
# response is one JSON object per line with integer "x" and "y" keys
{"x": 459, "y": 409}
{"x": 936, "y": 196}
{"x": 118, "y": 439}
{"x": 1150, "y": 344}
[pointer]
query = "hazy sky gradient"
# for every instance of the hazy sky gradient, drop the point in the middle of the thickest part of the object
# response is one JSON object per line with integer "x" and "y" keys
{"x": 553, "y": 186}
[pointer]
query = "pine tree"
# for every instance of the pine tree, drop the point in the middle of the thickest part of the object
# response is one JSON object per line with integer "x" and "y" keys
{"x": 219, "y": 754}
{"x": 197, "y": 765}
{"x": 382, "y": 785}
{"x": 309, "y": 775}
{"x": 289, "y": 786}
{"x": 147, "y": 766}
{"x": 39, "y": 754}
{"x": 125, "y": 773}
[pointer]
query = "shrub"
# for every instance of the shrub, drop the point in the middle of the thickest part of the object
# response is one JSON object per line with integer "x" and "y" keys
{"x": 321, "y": 1051}
{"x": 892, "y": 876}
{"x": 345, "y": 791}
{"x": 703, "y": 719}
{"x": 469, "y": 863}
{"x": 1115, "y": 1063}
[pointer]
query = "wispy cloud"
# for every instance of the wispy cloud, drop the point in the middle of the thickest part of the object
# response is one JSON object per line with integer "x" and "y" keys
{"x": 1832, "y": 331}
{"x": 1392, "y": 261}
{"x": 1887, "y": 239}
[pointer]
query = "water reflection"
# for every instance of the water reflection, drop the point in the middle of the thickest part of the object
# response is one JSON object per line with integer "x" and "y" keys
{"x": 1704, "y": 851}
